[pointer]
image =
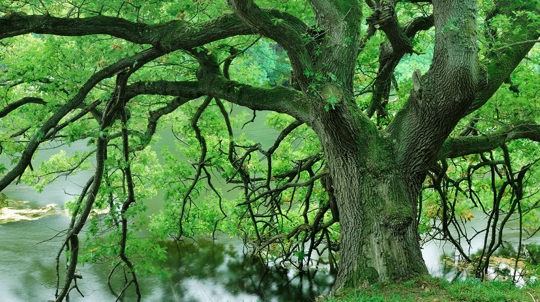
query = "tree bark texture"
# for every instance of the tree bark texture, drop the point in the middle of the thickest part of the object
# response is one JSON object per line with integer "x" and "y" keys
{"x": 379, "y": 238}
{"x": 379, "y": 241}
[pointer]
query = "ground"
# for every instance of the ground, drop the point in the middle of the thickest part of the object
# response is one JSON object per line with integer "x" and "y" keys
{"x": 437, "y": 290}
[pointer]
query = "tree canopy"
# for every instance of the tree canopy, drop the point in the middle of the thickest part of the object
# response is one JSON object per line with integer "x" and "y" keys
{"x": 392, "y": 121}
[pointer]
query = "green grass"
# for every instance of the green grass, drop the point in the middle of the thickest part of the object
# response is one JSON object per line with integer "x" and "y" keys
{"x": 438, "y": 290}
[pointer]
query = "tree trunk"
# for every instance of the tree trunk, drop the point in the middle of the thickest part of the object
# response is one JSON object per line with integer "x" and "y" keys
{"x": 377, "y": 205}
{"x": 379, "y": 237}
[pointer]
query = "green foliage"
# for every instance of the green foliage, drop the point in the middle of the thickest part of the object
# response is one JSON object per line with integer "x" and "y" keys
{"x": 505, "y": 109}
{"x": 263, "y": 64}
{"x": 57, "y": 164}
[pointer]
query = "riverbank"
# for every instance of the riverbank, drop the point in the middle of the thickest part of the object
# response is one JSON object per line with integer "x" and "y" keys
{"x": 439, "y": 290}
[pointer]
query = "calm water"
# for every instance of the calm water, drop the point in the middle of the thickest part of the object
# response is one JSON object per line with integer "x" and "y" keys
{"x": 199, "y": 271}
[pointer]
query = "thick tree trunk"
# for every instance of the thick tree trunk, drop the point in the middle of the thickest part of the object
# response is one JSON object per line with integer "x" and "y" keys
{"x": 377, "y": 205}
{"x": 379, "y": 237}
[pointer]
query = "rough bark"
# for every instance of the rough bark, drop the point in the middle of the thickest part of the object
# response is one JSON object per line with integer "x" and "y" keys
{"x": 340, "y": 42}
{"x": 378, "y": 175}
{"x": 379, "y": 239}
{"x": 389, "y": 58}
{"x": 441, "y": 96}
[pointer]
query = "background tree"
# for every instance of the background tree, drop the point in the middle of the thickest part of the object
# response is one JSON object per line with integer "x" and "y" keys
{"x": 176, "y": 62}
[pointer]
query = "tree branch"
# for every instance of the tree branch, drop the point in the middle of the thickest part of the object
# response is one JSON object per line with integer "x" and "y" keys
{"x": 26, "y": 100}
{"x": 517, "y": 43}
{"x": 155, "y": 115}
{"x": 384, "y": 17}
{"x": 501, "y": 61}
{"x": 340, "y": 38}
{"x": 280, "y": 99}
{"x": 461, "y": 146}
{"x": 211, "y": 82}
{"x": 388, "y": 60}
{"x": 16, "y": 24}
{"x": 441, "y": 96}
{"x": 121, "y": 82}
{"x": 167, "y": 36}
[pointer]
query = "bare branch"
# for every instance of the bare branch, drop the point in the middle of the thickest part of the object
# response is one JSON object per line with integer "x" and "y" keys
{"x": 200, "y": 164}
{"x": 516, "y": 43}
{"x": 120, "y": 94}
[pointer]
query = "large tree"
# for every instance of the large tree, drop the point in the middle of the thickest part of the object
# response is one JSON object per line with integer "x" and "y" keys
{"x": 375, "y": 161}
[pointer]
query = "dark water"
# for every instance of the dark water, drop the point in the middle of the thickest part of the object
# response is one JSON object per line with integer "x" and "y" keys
{"x": 206, "y": 271}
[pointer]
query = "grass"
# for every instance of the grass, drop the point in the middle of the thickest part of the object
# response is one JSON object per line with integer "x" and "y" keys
{"x": 438, "y": 290}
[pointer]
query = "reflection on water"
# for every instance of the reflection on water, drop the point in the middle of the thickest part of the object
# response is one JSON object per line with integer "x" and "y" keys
{"x": 195, "y": 271}
{"x": 502, "y": 267}
{"x": 27, "y": 259}
{"x": 221, "y": 270}
{"x": 444, "y": 261}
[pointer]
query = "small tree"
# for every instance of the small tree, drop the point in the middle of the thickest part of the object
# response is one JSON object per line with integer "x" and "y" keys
{"x": 376, "y": 154}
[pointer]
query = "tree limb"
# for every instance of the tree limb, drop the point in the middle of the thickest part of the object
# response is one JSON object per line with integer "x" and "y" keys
{"x": 26, "y": 100}
{"x": 384, "y": 17}
{"x": 388, "y": 60}
{"x": 461, "y": 146}
{"x": 167, "y": 36}
{"x": 340, "y": 38}
{"x": 442, "y": 95}
{"x": 280, "y": 99}
{"x": 501, "y": 61}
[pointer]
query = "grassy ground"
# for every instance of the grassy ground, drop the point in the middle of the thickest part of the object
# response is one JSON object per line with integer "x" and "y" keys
{"x": 437, "y": 290}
